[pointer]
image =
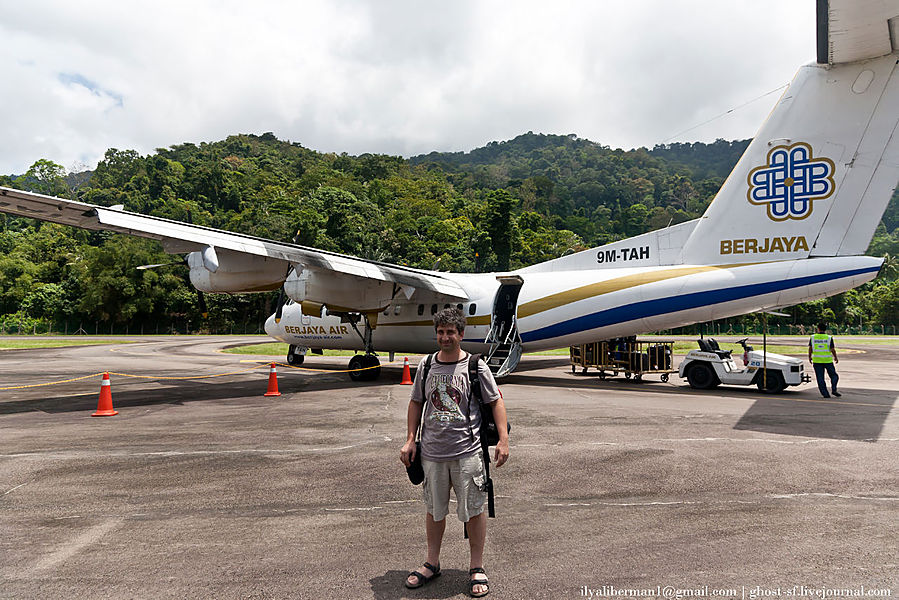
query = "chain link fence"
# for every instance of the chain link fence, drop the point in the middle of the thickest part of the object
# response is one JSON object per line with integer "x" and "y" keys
{"x": 182, "y": 327}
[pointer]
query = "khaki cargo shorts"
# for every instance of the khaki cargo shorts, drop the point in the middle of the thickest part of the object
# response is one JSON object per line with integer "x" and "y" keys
{"x": 467, "y": 478}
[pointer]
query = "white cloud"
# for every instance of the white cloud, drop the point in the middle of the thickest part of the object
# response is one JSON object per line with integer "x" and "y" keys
{"x": 399, "y": 76}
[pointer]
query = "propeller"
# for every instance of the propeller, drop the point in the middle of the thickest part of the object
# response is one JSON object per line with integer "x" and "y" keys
{"x": 201, "y": 299}
{"x": 282, "y": 297}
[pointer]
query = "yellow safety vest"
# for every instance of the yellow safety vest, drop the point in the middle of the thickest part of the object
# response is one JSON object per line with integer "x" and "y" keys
{"x": 820, "y": 343}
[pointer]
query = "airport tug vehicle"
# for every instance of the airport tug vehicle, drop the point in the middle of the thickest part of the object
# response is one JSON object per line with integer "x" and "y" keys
{"x": 711, "y": 366}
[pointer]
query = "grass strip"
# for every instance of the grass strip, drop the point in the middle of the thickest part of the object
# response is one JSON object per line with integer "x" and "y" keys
{"x": 25, "y": 343}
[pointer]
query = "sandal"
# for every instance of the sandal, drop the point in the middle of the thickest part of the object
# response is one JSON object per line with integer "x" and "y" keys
{"x": 421, "y": 578}
{"x": 474, "y": 582}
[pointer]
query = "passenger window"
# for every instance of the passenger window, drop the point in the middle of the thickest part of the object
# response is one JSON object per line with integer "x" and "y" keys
{"x": 472, "y": 309}
{"x": 421, "y": 309}
{"x": 459, "y": 306}
{"x": 433, "y": 309}
{"x": 446, "y": 306}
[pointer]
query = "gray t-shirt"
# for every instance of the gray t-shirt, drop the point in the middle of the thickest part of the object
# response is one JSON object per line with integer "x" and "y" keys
{"x": 447, "y": 434}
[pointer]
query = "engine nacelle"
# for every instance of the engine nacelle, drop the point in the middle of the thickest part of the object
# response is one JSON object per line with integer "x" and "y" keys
{"x": 337, "y": 291}
{"x": 224, "y": 271}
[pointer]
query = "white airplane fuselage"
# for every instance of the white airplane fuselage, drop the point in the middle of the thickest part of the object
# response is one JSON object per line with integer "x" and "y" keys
{"x": 558, "y": 309}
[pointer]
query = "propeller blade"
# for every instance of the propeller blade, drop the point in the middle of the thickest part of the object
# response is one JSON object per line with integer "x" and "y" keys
{"x": 201, "y": 300}
{"x": 280, "y": 308}
{"x": 143, "y": 267}
{"x": 183, "y": 261}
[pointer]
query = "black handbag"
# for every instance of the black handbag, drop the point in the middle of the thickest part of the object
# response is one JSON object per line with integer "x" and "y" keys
{"x": 415, "y": 471}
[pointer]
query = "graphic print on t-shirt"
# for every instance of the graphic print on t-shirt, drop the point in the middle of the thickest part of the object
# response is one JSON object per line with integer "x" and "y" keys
{"x": 446, "y": 398}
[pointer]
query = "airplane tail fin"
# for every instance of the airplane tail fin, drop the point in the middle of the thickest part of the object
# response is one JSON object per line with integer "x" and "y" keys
{"x": 817, "y": 177}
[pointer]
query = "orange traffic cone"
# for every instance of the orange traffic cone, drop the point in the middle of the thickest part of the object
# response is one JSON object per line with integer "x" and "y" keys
{"x": 407, "y": 376}
{"x": 104, "y": 406}
{"x": 272, "y": 383}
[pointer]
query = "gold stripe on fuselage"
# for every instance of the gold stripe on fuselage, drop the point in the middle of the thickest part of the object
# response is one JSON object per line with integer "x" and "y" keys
{"x": 473, "y": 321}
{"x": 605, "y": 287}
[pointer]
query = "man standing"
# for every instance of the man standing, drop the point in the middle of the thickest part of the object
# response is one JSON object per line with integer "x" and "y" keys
{"x": 823, "y": 355}
{"x": 451, "y": 447}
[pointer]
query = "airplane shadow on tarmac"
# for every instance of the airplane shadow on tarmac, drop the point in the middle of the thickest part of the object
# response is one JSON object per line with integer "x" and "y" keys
{"x": 859, "y": 415}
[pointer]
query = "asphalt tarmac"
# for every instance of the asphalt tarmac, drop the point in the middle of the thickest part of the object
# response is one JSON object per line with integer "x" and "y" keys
{"x": 203, "y": 488}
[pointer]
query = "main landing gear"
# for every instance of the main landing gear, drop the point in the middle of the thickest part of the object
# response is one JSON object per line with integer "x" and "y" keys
{"x": 364, "y": 367}
{"x": 368, "y": 362}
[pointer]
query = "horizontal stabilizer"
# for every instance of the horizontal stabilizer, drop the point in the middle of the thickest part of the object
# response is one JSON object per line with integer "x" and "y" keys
{"x": 853, "y": 30}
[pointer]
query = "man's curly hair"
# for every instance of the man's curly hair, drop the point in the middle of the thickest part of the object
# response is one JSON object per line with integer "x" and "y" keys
{"x": 450, "y": 316}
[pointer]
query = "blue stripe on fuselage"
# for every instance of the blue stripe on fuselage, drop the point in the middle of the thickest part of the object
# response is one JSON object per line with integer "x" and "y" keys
{"x": 671, "y": 304}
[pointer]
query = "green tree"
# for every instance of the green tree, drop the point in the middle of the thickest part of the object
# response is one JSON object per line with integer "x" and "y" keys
{"x": 501, "y": 225}
{"x": 45, "y": 177}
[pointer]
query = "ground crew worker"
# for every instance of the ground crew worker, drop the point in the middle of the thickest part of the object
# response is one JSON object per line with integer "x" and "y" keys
{"x": 822, "y": 354}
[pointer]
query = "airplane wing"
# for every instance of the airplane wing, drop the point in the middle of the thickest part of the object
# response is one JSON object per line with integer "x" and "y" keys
{"x": 851, "y": 30}
{"x": 177, "y": 238}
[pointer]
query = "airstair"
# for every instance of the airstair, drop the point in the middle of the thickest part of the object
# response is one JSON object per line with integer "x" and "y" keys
{"x": 505, "y": 342}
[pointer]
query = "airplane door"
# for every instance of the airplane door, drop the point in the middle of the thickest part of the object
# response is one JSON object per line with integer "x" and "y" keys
{"x": 505, "y": 343}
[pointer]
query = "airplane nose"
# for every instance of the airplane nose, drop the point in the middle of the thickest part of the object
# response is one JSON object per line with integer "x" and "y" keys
{"x": 271, "y": 328}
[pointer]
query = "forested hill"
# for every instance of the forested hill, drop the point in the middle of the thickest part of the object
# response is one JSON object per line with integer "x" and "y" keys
{"x": 598, "y": 193}
{"x": 526, "y": 151}
{"x": 502, "y": 206}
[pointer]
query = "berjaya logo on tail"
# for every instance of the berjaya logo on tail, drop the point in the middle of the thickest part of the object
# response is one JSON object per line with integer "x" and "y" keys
{"x": 791, "y": 181}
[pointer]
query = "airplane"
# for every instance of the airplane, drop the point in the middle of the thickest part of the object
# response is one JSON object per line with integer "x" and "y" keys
{"x": 790, "y": 224}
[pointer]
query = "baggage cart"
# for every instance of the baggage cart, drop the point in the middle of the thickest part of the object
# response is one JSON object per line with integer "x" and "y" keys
{"x": 628, "y": 356}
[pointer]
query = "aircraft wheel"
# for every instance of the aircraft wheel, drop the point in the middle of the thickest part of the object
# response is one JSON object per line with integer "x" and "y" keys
{"x": 369, "y": 360}
{"x": 772, "y": 384}
{"x": 664, "y": 377}
{"x": 294, "y": 359}
{"x": 357, "y": 362}
{"x": 702, "y": 377}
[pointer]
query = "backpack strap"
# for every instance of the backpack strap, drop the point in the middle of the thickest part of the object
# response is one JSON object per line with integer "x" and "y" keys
{"x": 491, "y": 512}
{"x": 474, "y": 386}
{"x": 424, "y": 375}
{"x": 474, "y": 382}
{"x": 424, "y": 399}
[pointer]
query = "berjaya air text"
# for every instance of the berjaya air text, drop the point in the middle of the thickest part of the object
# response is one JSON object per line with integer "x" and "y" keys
{"x": 765, "y": 245}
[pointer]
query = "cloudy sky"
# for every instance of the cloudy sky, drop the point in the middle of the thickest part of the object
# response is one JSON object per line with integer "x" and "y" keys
{"x": 387, "y": 76}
